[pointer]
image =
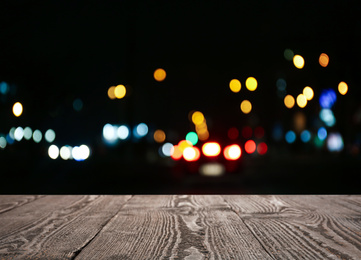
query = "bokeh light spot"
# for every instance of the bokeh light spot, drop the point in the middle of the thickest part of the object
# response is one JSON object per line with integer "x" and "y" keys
{"x": 235, "y": 85}
{"x": 262, "y": 148}
{"x": 17, "y": 109}
{"x": 250, "y": 146}
{"x": 19, "y": 133}
{"x": 301, "y": 100}
{"x": 191, "y": 154}
{"x": 111, "y": 93}
{"x": 232, "y": 152}
{"x": 159, "y": 136}
{"x": 290, "y": 137}
{"x": 37, "y": 136}
{"x": 167, "y": 149}
{"x": 192, "y": 137}
{"x": 233, "y": 133}
{"x": 289, "y": 101}
{"x": 327, "y": 98}
{"x": 246, "y": 106}
{"x": 109, "y": 133}
{"x": 342, "y": 88}
{"x": 308, "y": 92}
{"x": 49, "y": 135}
{"x": 298, "y": 61}
{"x": 183, "y": 144}
{"x": 335, "y": 142}
{"x": 65, "y": 152}
{"x": 322, "y": 133}
{"x": 211, "y": 149}
{"x": 323, "y": 59}
{"x": 119, "y": 91}
{"x": 247, "y": 132}
{"x": 140, "y": 130}
{"x": 259, "y": 132}
{"x": 3, "y": 142}
{"x": 159, "y": 74}
{"x": 251, "y": 84}
{"x": 305, "y": 136}
{"x": 28, "y": 133}
{"x": 197, "y": 118}
{"x": 327, "y": 116}
{"x": 288, "y": 54}
{"x": 77, "y": 104}
{"x": 53, "y": 151}
{"x": 123, "y": 132}
{"x": 176, "y": 153}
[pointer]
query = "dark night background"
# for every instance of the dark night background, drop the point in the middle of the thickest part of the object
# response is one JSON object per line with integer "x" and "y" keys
{"x": 54, "y": 52}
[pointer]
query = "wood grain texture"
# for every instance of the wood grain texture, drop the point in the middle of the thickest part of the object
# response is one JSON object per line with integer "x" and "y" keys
{"x": 303, "y": 227}
{"x": 9, "y": 202}
{"x": 175, "y": 227}
{"x": 55, "y": 227}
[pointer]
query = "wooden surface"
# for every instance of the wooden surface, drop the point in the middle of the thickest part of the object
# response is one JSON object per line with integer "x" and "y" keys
{"x": 180, "y": 227}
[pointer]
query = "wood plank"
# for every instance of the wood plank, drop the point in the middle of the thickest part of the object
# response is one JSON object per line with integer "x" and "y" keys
{"x": 302, "y": 227}
{"x": 55, "y": 227}
{"x": 9, "y": 202}
{"x": 175, "y": 227}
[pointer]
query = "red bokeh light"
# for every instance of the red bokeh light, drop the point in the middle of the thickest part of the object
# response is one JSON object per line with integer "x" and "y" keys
{"x": 247, "y": 132}
{"x": 262, "y": 148}
{"x": 233, "y": 133}
{"x": 250, "y": 146}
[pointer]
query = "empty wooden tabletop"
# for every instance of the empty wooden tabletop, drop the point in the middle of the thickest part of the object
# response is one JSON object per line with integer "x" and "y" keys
{"x": 180, "y": 227}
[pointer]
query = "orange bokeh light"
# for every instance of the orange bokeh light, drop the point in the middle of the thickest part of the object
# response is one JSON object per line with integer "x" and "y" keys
{"x": 250, "y": 146}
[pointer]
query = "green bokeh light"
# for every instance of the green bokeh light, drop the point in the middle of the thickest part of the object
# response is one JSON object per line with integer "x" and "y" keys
{"x": 192, "y": 137}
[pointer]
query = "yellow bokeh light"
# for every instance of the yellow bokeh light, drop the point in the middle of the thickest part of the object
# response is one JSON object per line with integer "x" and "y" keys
{"x": 235, "y": 85}
{"x": 298, "y": 61}
{"x": 323, "y": 59}
{"x": 301, "y": 100}
{"x": 111, "y": 93}
{"x": 251, "y": 84}
{"x": 308, "y": 92}
{"x": 211, "y": 149}
{"x": 246, "y": 106}
{"x": 184, "y": 144}
{"x": 159, "y": 74}
{"x": 197, "y": 118}
{"x": 203, "y": 135}
{"x": 342, "y": 88}
{"x": 289, "y": 101}
{"x": 119, "y": 91}
{"x": 159, "y": 136}
{"x": 17, "y": 109}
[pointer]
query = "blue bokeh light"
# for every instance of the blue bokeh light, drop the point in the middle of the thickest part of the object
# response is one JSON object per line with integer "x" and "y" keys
{"x": 322, "y": 133}
{"x": 290, "y": 137}
{"x": 327, "y": 116}
{"x": 140, "y": 130}
{"x": 327, "y": 98}
{"x": 305, "y": 136}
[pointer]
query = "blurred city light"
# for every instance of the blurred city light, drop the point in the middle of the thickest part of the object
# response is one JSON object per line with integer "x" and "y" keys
{"x": 327, "y": 116}
{"x": 262, "y": 148}
{"x": 235, "y": 85}
{"x": 65, "y": 152}
{"x": 323, "y": 59}
{"x": 342, "y": 88}
{"x": 301, "y": 100}
{"x": 3, "y": 142}
{"x": 211, "y": 149}
{"x": 123, "y": 132}
{"x": 212, "y": 169}
{"x": 299, "y": 121}
{"x": 176, "y": 153}
{"x": 80, "y": 153}
{"x": 159, "y": 136}
{"x": 159, "y": 74}
{"x": 192, "y": 137}
{"x": 111, "y": 93}
{"x": 232, "y": 152}
{"x": 167, "y": 149}
{"x": 4, "y": 87}
{"x": 233, "y": 133}
{"x": 251, "y": 84}
{"x": 203, "y": 135}
{"x": 119, "y": 91}
{"x": 277, "y": 132}
{"x": 19, "y": 133}
{"x": 290, "y": 137}
{"x": 322, "y": 133}
{"x": 9, "y": 140}
{"x": 28, "y": 133}
{"x": 298, "y": 61}
{"x": 53, "y": 151}
{"x": 12, "y": 133}
{"x": 308, "y": 92}
{"x": 305, "y": 136}
{"x": 191, "y": 154}
{"x": 110, "y": 133}
{"x": 77, "y": 104}
{"x": 250, "y": 146}
{"x": 140, "y": 130}
{"x": 288, "y": 54}
{"x": 281, "y": 87}
{"x": 17, "y": 109}
{"x": 289, "y": 101}
{"x": 246, "y": 106}
{"x": 49, "y": 135}
{"x": 327, "y": 98}
{"x": 335, "y": 142}
{"x": 37, "y": 136}
{"x": 197, "y": 118}
{"x": 183, "y": 144}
